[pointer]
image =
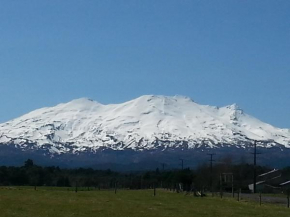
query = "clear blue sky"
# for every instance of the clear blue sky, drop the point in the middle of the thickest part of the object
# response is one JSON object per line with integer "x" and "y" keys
{"x": 216, "y": 52}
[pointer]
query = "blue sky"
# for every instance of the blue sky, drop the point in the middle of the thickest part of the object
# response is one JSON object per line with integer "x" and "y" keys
{"x": 216, "y": 52}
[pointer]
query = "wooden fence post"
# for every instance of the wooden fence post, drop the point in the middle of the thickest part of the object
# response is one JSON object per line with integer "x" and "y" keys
{"x": 288, "y": 198}
{"x": 233, "y": 186}
{"x": 260, "y": 198}
{"x": 221, "y": 188}
{"x": 239, "y": 194}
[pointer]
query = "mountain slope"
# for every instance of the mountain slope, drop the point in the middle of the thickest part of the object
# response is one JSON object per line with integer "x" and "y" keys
{"x": 146, "y": 123}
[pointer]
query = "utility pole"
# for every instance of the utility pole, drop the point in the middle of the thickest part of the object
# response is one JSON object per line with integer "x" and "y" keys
{"x": 221, "y": 186}
{"x": 210, "y": 180}
{"x": 181, "y": 163}
{"x": 163, "y": 166}
{"x": 255, "y": 167}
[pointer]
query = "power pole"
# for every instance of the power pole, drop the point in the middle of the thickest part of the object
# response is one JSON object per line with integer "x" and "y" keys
{"x": 210, "y": 180}
{"x": 163, "y": 166}
{"x": 181, "y": 163}
{"x": 255, "y": 167}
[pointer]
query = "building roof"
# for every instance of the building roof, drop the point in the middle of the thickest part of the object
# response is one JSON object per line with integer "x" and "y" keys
{"x": 267, "y": 173}
{"x": 285, "y": 183}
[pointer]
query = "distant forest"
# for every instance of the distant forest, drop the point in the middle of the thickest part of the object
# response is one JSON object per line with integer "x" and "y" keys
{"x": 200, "y": 178}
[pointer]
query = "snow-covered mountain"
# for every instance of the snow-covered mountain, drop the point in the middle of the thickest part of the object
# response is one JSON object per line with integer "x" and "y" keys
{"x": 146, "y": 123}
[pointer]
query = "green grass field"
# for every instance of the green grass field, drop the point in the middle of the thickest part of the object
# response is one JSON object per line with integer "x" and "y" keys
{"x": 58, "y": 202}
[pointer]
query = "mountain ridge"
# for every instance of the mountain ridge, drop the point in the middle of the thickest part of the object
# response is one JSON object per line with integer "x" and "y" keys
{"x": 145, "y": 123}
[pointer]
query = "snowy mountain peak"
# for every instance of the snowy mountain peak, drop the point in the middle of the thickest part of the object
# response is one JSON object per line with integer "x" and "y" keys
{"x": 147, "y": 122}
{"x": 163, "y": 98}
{"x": 78, "y": 105}
{"x": 84, "y": 102}
{"x": 233, "y": 107}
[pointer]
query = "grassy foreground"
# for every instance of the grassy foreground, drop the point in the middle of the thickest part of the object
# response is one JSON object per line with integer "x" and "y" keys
{"x": 46, "y": 202}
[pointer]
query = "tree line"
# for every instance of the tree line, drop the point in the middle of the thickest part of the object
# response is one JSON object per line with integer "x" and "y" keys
{"x": 201, "y": 177}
